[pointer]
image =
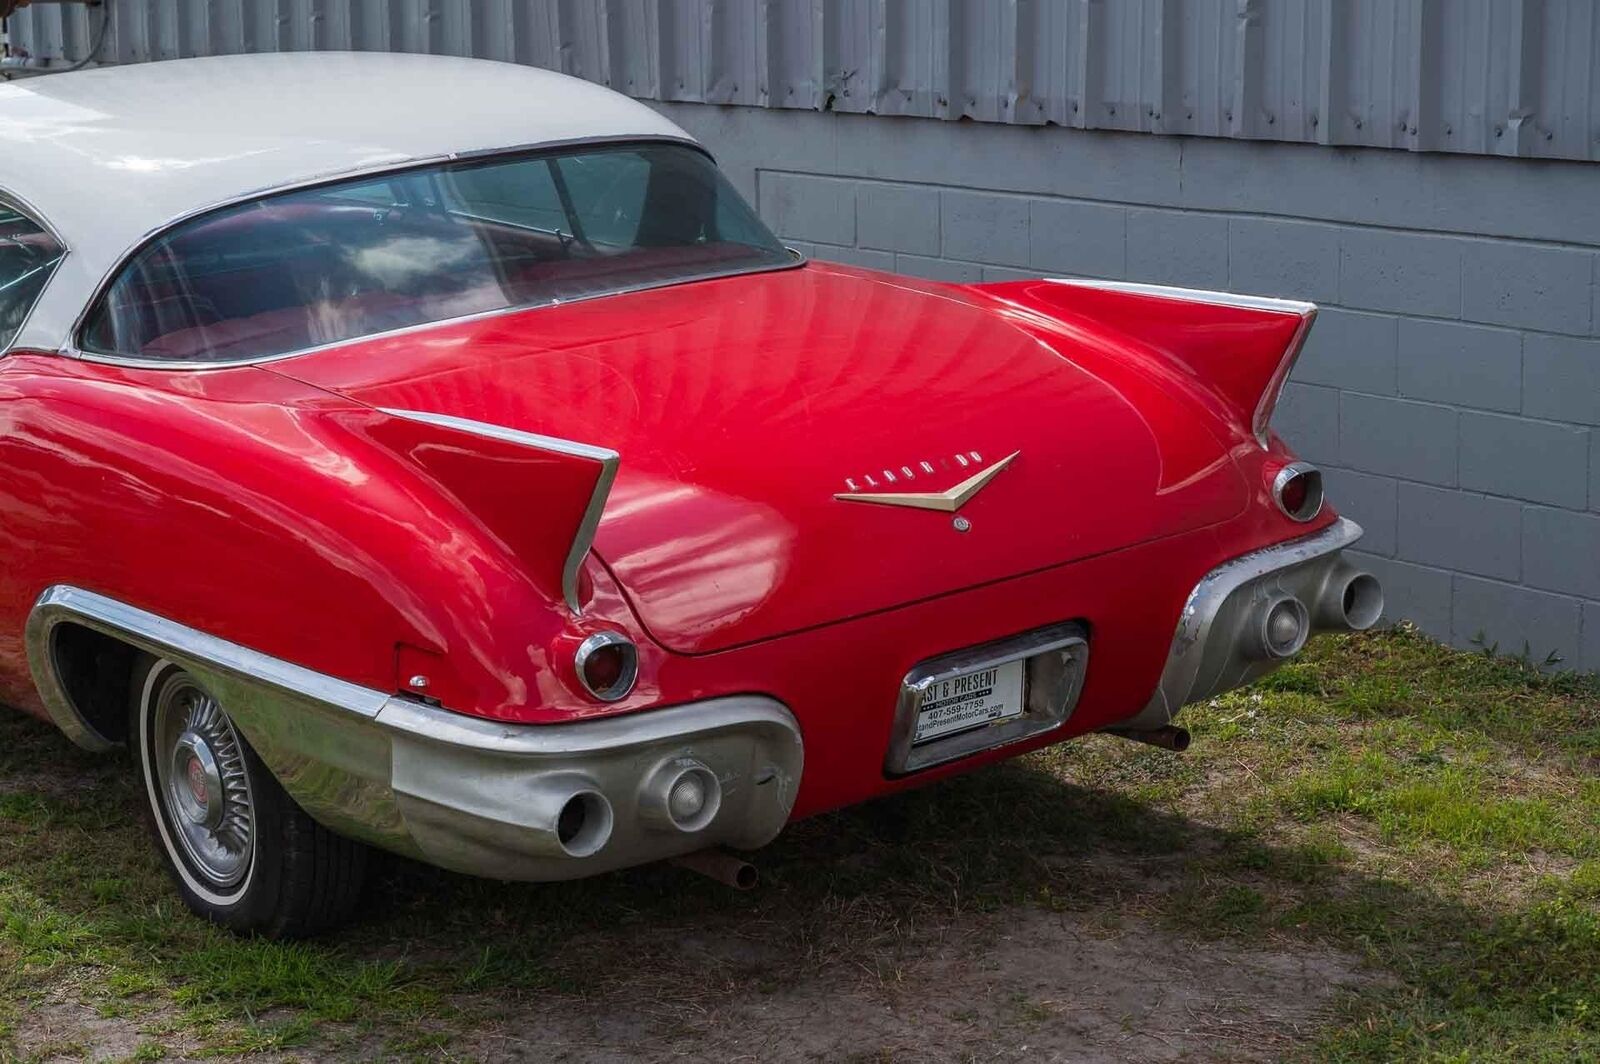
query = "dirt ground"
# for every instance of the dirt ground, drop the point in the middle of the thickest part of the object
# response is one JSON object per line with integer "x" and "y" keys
{"x": 1026, "y": 984}
{"x": 1047, "y": 987}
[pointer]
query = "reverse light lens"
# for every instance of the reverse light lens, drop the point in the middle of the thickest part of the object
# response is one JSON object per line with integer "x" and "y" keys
{"x": 687, "y": 800}
{"x": 682, "y": 794}
{"x": 608, "y": 664}
{"x": 1283, "y": 625}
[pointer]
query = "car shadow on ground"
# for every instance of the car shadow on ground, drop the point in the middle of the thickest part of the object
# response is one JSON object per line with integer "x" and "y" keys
{"x": 1010, "y": 913}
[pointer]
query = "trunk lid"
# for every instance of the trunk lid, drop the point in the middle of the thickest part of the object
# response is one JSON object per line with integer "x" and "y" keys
{"x": 742, "y": 407}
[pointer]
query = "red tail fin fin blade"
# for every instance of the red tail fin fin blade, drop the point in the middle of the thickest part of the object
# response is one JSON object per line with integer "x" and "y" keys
{"x": 1240, "y": 348}
{"x": 539, "y": 495}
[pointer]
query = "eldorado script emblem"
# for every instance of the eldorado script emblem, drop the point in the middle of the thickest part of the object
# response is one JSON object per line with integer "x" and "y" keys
{"x": 947, "y": 501}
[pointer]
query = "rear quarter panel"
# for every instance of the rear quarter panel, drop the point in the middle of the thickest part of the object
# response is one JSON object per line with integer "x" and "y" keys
{"x": 236, "y": 502}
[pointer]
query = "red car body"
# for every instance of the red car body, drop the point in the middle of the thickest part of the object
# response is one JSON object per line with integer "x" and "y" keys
{"x": 368, "y": 518}
{"x": 722, "y": 550}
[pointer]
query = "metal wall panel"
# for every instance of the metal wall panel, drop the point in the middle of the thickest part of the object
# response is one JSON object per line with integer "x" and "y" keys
{"x": 1502, "y": 77}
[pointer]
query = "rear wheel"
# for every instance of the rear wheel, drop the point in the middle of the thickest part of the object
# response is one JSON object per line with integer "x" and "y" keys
{"x": 240, "y": 850}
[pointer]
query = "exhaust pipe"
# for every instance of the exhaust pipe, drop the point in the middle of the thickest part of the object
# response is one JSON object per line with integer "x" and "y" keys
{"x": 1351, "y": 599}
{"x": 721, "y": 866}
{"x": 1168, "y": 737}
{"x": 570, "y": 816}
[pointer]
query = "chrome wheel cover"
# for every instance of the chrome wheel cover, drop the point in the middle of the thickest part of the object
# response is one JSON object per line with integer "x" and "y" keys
{"x": 201, "y": 782}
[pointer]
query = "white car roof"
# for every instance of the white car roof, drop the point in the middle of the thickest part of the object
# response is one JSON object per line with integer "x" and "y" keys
{"x": 108, "y": 157}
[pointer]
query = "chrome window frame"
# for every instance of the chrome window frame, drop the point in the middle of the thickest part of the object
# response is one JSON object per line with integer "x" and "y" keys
{"x": 27, "y": 210}
{"x": 75, "y": 349}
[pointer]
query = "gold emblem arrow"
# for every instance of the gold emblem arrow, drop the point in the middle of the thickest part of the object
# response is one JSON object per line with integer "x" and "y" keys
{"x": 947, "y": 501}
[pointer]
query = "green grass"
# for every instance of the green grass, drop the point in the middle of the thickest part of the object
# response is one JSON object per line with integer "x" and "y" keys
{"x": 1434, "y": 813}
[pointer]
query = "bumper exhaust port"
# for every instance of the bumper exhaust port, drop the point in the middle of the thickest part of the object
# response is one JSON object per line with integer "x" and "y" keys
{"x": 1351, "y": 599}
{"x": 584, "y": 824}
{"x": 565, "y": 815}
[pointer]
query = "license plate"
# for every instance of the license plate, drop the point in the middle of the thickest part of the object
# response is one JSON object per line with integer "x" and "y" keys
{"x": 970, "y": 700}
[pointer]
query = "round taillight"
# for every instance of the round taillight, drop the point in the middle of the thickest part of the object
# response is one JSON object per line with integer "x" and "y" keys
{"x": 1294, "y": 495}
{"x": 1297, "y": 489}
{"x": 607, "y": 665}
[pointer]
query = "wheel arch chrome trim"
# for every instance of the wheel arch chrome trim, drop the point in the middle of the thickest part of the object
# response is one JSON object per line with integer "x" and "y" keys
{"x": 609, "y": 460}
{"x": 203, "y": 654}
{"x": 447, "y": 788}
{"x": 452, "y": 789}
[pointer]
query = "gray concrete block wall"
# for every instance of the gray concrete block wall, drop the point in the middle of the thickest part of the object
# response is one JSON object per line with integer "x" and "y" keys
{"x": 1451, "y": 387}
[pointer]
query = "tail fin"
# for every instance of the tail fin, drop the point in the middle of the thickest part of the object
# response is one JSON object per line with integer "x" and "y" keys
{"x": 1240, "y": 348}
{"x": 542, "y": 496}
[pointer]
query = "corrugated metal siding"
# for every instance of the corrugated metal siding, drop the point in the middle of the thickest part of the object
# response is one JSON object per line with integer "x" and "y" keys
{"x": 1503, "y": 77}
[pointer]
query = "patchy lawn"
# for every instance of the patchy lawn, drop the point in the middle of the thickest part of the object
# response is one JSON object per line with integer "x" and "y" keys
{"x": 1386, "y": 850}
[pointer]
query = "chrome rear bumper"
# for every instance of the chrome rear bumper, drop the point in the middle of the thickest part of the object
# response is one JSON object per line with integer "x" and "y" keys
{"x": 1223, "y": 638}
{"x": 504, "y": 801}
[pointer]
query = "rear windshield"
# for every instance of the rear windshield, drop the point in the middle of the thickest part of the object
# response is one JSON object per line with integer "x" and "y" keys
{"x": 303, "y": 269}
{"x": 28, "y": 256}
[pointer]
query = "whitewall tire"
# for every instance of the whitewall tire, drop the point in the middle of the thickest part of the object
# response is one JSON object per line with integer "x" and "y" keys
{"x": 240, "y": 851}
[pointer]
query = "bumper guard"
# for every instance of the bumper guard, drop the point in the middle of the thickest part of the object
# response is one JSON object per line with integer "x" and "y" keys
{"x": 1247, "y": 616}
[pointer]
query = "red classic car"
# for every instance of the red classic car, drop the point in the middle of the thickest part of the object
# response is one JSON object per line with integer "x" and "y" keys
{"x": 441, "y": 456}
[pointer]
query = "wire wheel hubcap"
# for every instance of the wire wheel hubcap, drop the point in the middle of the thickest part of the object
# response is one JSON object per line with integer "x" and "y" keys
{"x": 203, "y": 783}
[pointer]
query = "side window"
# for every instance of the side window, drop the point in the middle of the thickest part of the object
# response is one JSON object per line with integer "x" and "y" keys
{"x": 28, "y": 256}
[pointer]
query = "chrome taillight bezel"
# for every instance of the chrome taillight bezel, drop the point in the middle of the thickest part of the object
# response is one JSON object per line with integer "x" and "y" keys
{"x": 1291, "y": 473}
{"x": 630, "y": 664}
